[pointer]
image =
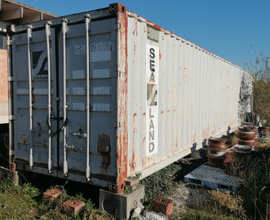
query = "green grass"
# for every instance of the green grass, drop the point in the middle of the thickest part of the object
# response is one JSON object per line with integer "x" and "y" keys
{"x": 25, "y": 202}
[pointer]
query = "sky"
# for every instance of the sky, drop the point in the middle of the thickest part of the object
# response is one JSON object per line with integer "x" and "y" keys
{"x": 236, "y": 30}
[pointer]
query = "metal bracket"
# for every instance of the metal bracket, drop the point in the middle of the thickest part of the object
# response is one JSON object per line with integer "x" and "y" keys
{"x": 73, "y": 147}
{"x": 79, "y": 134}
{"x": 116, "y": 26}
{"x": 41, "y": 143}
{"x": 11, "y": 78}
{"x": 10, "y": 42}
{"x": 12, "y": 117}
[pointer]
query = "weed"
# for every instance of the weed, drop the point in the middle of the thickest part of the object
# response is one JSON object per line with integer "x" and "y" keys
{"x": 159, "y": 183}
{"x": 227, "y": 203}
{"x": 192, "y": 214}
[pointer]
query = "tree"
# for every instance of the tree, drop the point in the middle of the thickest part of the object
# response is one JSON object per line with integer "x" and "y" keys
{"x": 256, "y": 92}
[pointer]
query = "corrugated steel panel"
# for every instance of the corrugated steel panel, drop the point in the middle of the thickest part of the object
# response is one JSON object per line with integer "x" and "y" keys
{"x": 126, "y": 96}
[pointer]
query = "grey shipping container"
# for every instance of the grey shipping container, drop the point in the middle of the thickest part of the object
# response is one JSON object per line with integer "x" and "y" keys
{"x": 100, "y": 96}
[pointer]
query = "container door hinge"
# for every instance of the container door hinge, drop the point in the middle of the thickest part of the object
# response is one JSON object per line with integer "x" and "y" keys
{"x": 12, "y": 117}
{"x": 119, "y": 74}
{"x": 115, "y": 74}
{"x": 10, "y": 42}
{"x": 11, "y": 78}
{"x": 116, "y": 26}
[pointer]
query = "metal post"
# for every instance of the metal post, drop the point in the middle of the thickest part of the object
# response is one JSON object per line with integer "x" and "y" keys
{"x": 64, "y": 31}
{"x": 29, "y": 37}
{"x": 48, "y": 34}
{"x": 87, "y": 21}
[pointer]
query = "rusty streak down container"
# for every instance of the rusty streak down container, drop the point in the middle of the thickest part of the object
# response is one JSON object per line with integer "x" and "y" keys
{"x": 216, "y": 151}
{"x": 246, "y": 135}
{"x": 99, "y": 96}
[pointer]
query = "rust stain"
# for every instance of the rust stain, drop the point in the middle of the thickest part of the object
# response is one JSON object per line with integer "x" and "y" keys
{"x": 208, "y": 130}
{"x": 194, "y": 137}
{"x": 168, "y": 111}
{"x": 159, "y": 55}
{"x": 144, "y": 147}
{"x": 148, "y": 161}
{"x": 161, "y": 112}
{"x": 106, "y": 161}
{"x": 135, "y": 47}
{"x": 122, "y": 135}
{"x": 143, "y": 162}
{"x": 214, "y": 130}
{"x": 175, "y": 140}
{"x": 134, "y": 117}
{"x": 140, "y": 108}
{"x": 135, "y": 32}
{"x": 132, "y": 163}
{"x": 144, "y": 114}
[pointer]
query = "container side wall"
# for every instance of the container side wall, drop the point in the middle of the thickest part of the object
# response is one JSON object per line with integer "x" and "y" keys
{"x": 197, "y": 97}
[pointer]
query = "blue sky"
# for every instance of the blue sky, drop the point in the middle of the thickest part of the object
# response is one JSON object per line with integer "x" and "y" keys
{"x": 236, "y": 30}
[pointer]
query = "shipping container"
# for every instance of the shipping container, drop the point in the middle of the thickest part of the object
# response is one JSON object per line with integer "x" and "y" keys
{"x": 100, "y": 96}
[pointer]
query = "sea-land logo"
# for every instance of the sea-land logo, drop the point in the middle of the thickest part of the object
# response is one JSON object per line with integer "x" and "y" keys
{"x": 39, "y": 65}
{"x": 152, "y": 70}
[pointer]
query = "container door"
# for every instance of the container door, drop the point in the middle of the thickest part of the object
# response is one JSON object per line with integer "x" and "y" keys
{"x": 33, "y": 86}
{"x": 88, "y": 90}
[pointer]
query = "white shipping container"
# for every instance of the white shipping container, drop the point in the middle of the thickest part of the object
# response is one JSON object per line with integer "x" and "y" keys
{"x": 99, "y": 96}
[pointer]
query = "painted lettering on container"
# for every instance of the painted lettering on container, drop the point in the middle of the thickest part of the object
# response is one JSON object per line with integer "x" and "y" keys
{"x": 152, "y": 69}
{"x": 39, "y": 65}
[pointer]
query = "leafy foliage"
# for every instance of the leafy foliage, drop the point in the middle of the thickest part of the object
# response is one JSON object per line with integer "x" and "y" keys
{"x": 259, "y": 97}
{"x": 254, "y": 171}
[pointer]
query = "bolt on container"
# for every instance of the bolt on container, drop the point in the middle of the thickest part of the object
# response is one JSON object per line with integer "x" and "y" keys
{"x": 103, "y": 95}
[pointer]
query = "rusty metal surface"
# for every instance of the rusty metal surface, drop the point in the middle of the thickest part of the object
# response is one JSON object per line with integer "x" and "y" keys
{"x": 247, "y": 128}
{"x": 122, "y": 114}
{"x": 216, "y": 151}
{"x": 217, "y": 143}
{"x": 246, "y": 135}
{"x": 247, "y": 142}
